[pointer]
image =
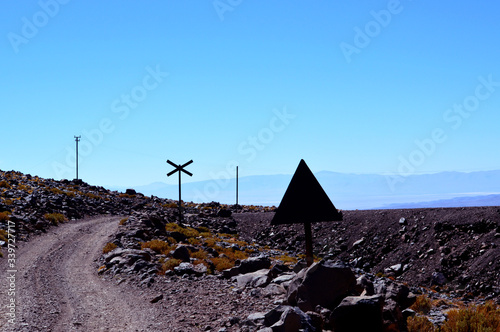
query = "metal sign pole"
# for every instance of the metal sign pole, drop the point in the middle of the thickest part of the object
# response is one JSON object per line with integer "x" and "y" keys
{"x": 77, "y": 139}
{"x": 309, "y": 245}
{"x": 179, "y": 168}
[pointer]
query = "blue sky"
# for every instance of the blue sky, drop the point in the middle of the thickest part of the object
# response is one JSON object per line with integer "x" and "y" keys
{"x": 401, "y": 87}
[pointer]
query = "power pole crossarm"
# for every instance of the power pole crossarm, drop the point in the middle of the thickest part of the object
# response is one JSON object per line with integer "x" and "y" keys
{"x": 179, "y": 168}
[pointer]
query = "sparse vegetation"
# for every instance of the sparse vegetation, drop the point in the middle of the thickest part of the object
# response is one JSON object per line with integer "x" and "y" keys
{"x": 4, "y": 184}
{"x": 221, "y": 263}
{"x": 3, "y": 235}
{"x": 4, "y": 216}
{"x": 422, "y": 305}
{"x": 169, "y": 264}
{"x": 158, "y": 246}
{"x": 482, "y": 318}
{"x": 186, "y": 231}
{"x": 109, "y": 247}
{"x": 55, "y": 218}
{"x": 286, "y": 259}
{"x": 420, "y": 324}
{"x": 123, "y": 221}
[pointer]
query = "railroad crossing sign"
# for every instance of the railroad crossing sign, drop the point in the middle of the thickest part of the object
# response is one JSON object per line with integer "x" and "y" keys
{"x": 305, "y": 202}
{"x": 180, "y": 168}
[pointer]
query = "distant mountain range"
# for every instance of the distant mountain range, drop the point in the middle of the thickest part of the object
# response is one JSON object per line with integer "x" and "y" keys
{"x": 348, "y": 191}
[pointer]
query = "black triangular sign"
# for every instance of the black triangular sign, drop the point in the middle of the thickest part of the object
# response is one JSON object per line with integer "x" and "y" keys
{"x": 305, "y": 200}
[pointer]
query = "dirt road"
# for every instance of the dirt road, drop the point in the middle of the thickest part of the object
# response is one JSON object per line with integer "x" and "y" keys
{"x": 57, "y": 287}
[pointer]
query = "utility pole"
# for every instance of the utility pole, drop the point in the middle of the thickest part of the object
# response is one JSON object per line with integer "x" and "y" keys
{"x": 179, "y": 168}
{"x": 77, "y": 139}
{"x": 236, "y": 186}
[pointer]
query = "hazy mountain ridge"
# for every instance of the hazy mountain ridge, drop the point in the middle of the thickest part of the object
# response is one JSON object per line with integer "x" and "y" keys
{"x": 348, "y": 191}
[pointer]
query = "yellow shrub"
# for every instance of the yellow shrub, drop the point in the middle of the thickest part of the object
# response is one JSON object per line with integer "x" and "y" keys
{"x": 4, "y": 216}
{"x": 158, "y": 246}
{"x": 210, "y": 242}
{"x": 422, "y": 305}
{"x": 187, "y": 231}
{"x": 420, "y": 324}
{"x": 3, "y": 235}
{"x": 222, "y": 263}
{"x": 286, "y": 259}
{"x": 55, "y": 218}
{"x": 200, "y": 254}
{"x": 109, "y": 247}
{"x": 169, "y": 265}
{"x": 484, "y": 318}
{"x": 4, "y": 184}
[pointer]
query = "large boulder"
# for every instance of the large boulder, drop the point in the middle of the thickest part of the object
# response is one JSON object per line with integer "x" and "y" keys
{"x": 358, "y": 314}
{"x": 325, "y": 283}
{"x": 258, "y": 278}
{"x": 293, "y": 320}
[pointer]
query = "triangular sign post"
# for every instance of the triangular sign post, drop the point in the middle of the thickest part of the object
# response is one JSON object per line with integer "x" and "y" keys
{"x": 305, "y": 202}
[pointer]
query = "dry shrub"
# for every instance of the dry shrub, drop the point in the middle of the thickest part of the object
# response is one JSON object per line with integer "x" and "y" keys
{"x": 169, "y": 265}
{"x": 187, "y": 231}
{"x": 123, "y": 221}
{"x": 55, "y": 218}
{"x": 194, "y": 241}
{"x": 210, "y": 242}
{"x": 4, "y": 235}
{"x": 482, "y": 318}
{"x": 222, "y": 263}
{"x": 203, "y": 229}
{"x": 158, "y": 246}
{"x": 200, "y": 254}
{"x": 109, "y": 247}
{"x": 420, "y": 324}
{"x": 4, "y": 216}
{"x": 4, "y": 184}
{"x": 422, "y": 305}
{"x": 286, "y": 259}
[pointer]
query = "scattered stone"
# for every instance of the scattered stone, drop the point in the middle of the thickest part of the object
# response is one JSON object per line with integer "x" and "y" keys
{"x": 358, "y": 314}
{"x": 157, "y": 298}
{"x": 324, "y": 284}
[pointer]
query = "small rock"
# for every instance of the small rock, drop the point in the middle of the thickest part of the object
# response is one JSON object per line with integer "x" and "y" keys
{"x": 157, "y": 298}
{"x": 182, "y": 253}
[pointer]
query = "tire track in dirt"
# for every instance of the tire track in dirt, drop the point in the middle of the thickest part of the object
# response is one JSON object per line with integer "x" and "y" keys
{"x": 58, "y": 288}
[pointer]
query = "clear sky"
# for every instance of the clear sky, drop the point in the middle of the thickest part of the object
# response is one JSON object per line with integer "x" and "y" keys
{"x": 401, "y": 87}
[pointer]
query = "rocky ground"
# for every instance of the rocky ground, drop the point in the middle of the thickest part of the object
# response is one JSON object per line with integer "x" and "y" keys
{"x": 224, "y": 268}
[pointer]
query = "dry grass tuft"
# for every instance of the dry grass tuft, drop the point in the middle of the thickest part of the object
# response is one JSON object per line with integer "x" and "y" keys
{"x": 483, "y": 318}
{"x": 422, "y": 305}
{"x": 55, "y": 218}
{"x": 109, "y": 247}
{"x": 158, "y": 246}
{"x": 169, "y": 265}
{"x": 420, "y": 324}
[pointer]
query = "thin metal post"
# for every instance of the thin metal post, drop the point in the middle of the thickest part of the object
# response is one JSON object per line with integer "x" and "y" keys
{"x": 179, "y": 168}
{"x": 180, "y": 208}
{"x": 77, "y": 139}
{"x": 309, "y": 246}
{"x": 236, "y": 185}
